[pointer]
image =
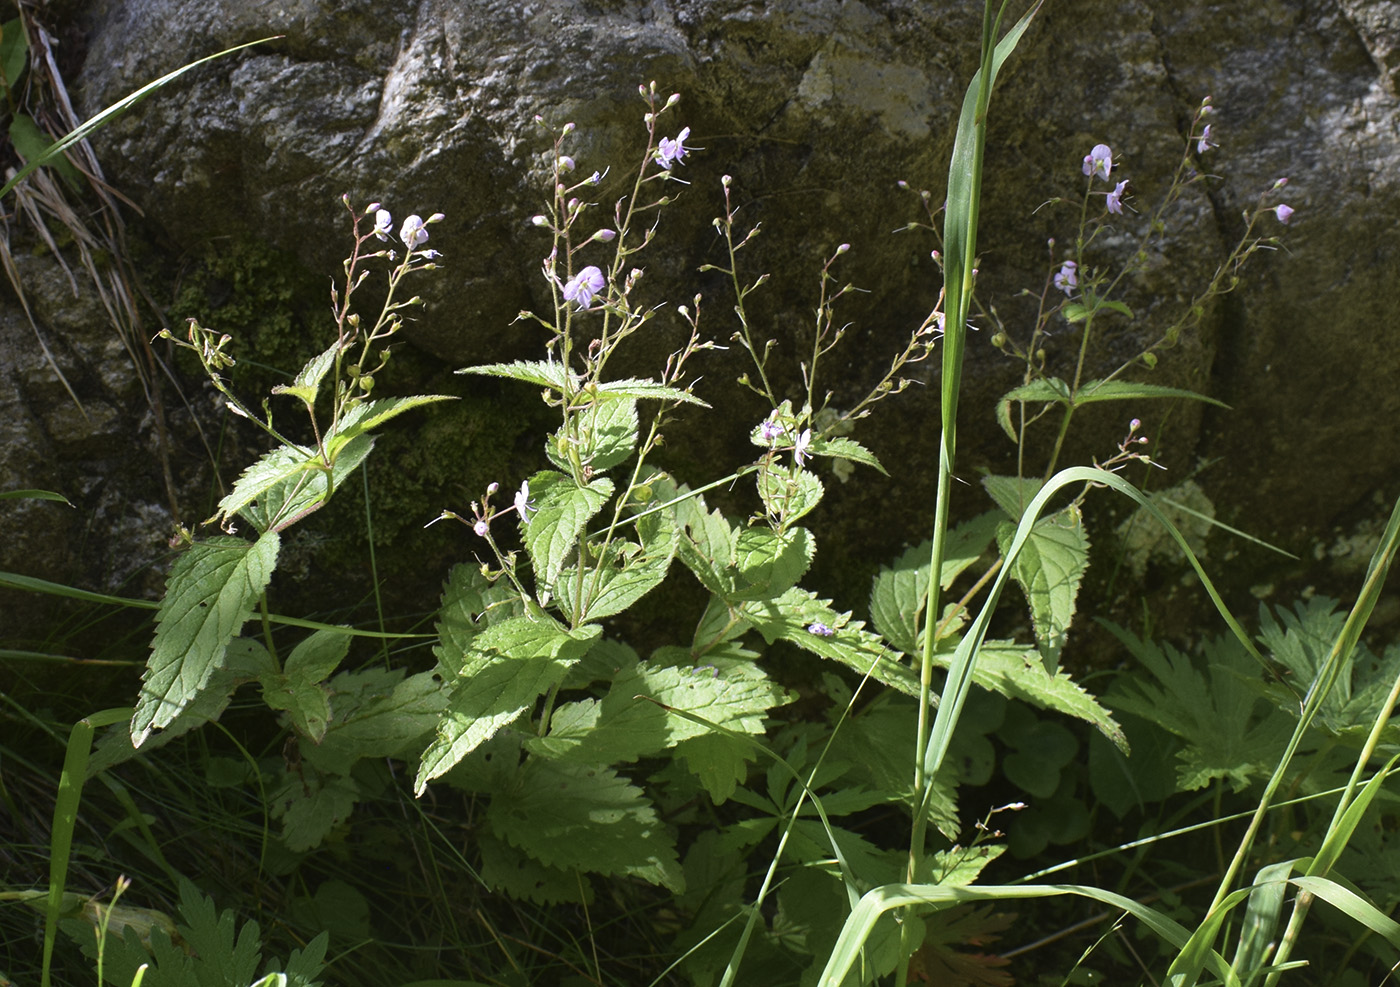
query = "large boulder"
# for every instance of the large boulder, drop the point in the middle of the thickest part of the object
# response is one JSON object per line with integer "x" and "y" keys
{"x": 818, "y": 109}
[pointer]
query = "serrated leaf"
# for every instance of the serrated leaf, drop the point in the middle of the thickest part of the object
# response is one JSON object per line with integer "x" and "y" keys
{"x": 939, "y": 961}
{"x": 1049, "y": 569}
{"x": 307, "y": 383}
{"x": 1302, "y": 641}
{"x": 708, "y": 546}
{"x": 316, "y": 657}
{"x": 720, "y": 762}
{"x": 306, "y": 704}
{"x": 630, "y": 571}
{"x": 571, "y": 815}
{"x": 1012, "y": 493}
{"x": 304, "y": 490}
{"x": 470, "y": 603}
{"x": 371, "y": 414}
{"x": 899, "y": 593}
{"x": 549, "y": 374}
{"x": 377, "y": 713}
{"x": 638, "y": 715}
{"x": 789, "y": 616}
{"x": 769, "y": 562}
{"x": 647, "y": 390}
{"x": 311, "y": 806}
{"x": 1050, "y": 390}
{"x": 603, "y": 434}
{"x": 563, "y": 509}
{"x": 843, "y": 448}
{"x": 211, "y": 592}
{"x": 1217, "y": 715}
{"x": 1126, "y": 390}
{"x": 1015, "y": 671}
{"x": 788, "y": 494}
{"x": 534, "y": 653}
{"x": 523, "y": 878}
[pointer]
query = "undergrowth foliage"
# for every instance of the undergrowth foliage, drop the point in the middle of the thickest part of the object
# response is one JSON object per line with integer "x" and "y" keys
{"x": 589, "y": 765}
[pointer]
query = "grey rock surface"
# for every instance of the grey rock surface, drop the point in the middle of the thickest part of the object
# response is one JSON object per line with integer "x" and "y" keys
{"x": 818, "y": 109}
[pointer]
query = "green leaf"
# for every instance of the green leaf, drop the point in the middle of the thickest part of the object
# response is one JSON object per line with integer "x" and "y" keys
{"x": 605, "y": 434}
{"x": 788, "y": 617}
{"x": 1015, "y": 671}
{"x": 33, "y": 145}
{"x": 629, "y": 572}
{"x": 310, "y": 806}
{"x": 298, "y": 689}
{"x": 211, "y": 592}
{"x": 371, "y": 414}
{"x": 788, "y": 494}
{"x": 1302, "y": 641}
{"x": 637, "y": 717}
{"x": 769, "y": 562}
{"x": 523, "y": 878}
{"x": 843, "y": 448}
{"x": 112, "y": 112}
{"x": 306, "y": 489}
{"x": 1218, "y": 716}
{"x": 532, "y": 655}
{"x": 1012, "y": 493}
{"x": 549, "y": 375}
{"x": 34, "y": 495}
{"x": 899, "y": 593}
{"x": 470, "y": 603}
{"x": 563, "y": 509}
{"x": 647, "y": 390}
{"x": 569, "y": 815}
{"x": 377, "y": 713}
{"x": 1052, "y": 390}
{"x": 308, "y": 383}
{"x": 708, "y": 546}
{"x": 1049, "y": 569}
{"x": 1125, "y": 390}
{"x": 14, "y": 51}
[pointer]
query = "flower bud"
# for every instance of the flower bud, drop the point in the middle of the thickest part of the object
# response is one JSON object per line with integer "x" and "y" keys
{"x": 372, "y": 207}
{"x": 540, "y": 220}
{"x": 605, "y": 235}
{"x": 843, "y": 248}
{"x": 565, "y": 163}
{"x": 568, "y": 129}
{"x": 673, "y": 99}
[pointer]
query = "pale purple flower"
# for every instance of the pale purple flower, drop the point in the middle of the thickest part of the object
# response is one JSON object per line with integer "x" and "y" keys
{"x": 1283, "y": 212}
{"x": 799, "y": 451}
{"x": 523, "y": 504}
{"x": 566, "y": 163}
{"x": 481, "y": 528}
{"x": 1067, "y": 279}
{"x": 1099, "y": 161}
{"x": 771, "y": 429}
{"x": 819, "y": 629}
{"x": 583, "y": 286}
{"x": 670, "y": 152}
{"x": 1205, "y": 143}
{"x": 383, "y": 223}
{"x": 1115, "y": 198}
{"x": 413, "y": 232}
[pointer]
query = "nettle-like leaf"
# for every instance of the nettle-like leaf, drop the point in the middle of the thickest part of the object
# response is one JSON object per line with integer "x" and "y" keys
{"x": 900, "y": 592}
{"x": 1303, "y": 640}
{"x": 210, "y": 594}
{"x": 470, "y": 603}
{"x": 290, "y": 482}
{"x": 512, "y": 664}
{"x": 547, "y": 374}
{"x": 640, "y": 716}
{"x": 843, "y": 448}
{"x": 646, "y": 390}
{"x": 311, "y": 806}
{"x": 1015, "y": 671}
{"x": 708, "y": 546}
{"x": 789, "y": 617}
{"x": 523, "y": 878}
{"x": 602, "y": 435}
{"x": 299, "y": 689}
{"x": 629, "y": 571}
{"x": 788, "y": 494}
{"x": 1012, "y": 493}
{"x": 1053, "y": 390}
{"x": 767, "y": 563}
{"x": 1049, "y": 569}
{"x": 308, "y": 382}
{"x": 1217, "y": 714}
{"x": 579, "y": 816}
{"x": 563, "y": 509}
{"x": 366, "y": 415}
{"x": 377, "y": 712}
